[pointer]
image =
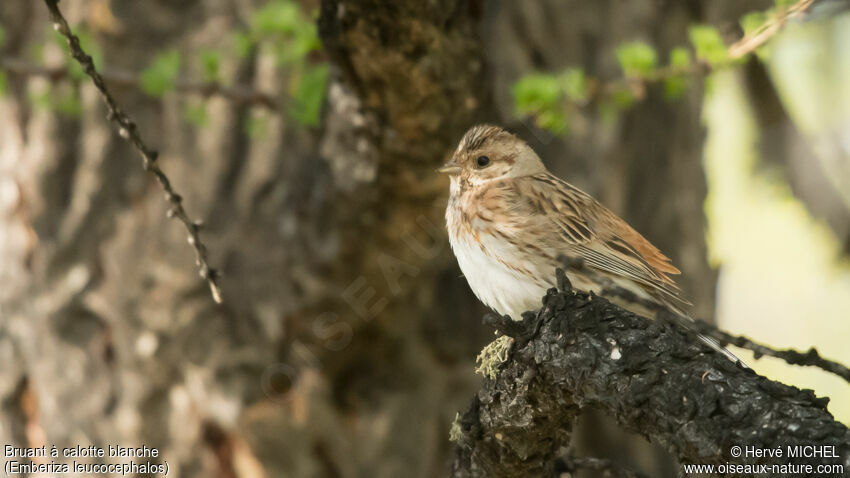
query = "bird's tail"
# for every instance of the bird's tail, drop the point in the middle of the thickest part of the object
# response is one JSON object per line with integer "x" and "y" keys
{"x": 710, "y": 341}
{"x": 675, "y": 309}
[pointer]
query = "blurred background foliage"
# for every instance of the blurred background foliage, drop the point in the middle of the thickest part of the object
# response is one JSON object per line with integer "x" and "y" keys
{"x": 784, "y": 278}
{"x": 305, "y": 134}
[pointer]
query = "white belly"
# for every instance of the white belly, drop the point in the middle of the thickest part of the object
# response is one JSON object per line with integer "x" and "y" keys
{"x": 510, "y": 292}
{"x": 502, "y": 289}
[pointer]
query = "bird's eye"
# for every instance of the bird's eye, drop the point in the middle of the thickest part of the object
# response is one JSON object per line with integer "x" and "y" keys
{"x": 482, "y": 161}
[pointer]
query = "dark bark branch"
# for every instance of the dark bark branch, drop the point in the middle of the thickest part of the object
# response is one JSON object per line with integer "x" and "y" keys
{"x": 811, "y": 358}
{"x": 128, "y": 130}
{"x": 580, "y": 351}
{"x": 793, "y": 357}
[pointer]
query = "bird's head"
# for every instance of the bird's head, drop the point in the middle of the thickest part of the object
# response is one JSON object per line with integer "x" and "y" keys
{"x": 489, "y": 153}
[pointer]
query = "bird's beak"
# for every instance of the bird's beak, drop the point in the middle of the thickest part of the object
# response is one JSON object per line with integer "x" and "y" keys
{"x": 451, "y": 168}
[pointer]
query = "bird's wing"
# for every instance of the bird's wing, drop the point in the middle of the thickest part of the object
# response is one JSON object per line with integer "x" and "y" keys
{"x": 543, "y": 216}
{"x": 570, "y": 222}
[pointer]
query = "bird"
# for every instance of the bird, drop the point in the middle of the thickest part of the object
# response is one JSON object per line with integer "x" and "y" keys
{"x": 511, "y": 223}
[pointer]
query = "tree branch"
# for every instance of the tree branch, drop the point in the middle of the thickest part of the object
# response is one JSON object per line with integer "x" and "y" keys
{"x": 810, "y": 358}
{"x": 793, "y": 357}
{"x": 746, "y": 45}
{"x": 750, "y": 42}
{"x": 580, "y": 351}
{"x": 128, "y": 130}
{"x": 636, "y": 83}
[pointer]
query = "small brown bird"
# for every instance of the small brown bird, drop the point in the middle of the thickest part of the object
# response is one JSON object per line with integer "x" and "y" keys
{"x": 510, "y": 223}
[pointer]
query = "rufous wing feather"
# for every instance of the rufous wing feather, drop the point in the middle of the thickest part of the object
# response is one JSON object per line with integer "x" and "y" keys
{"x": 606, "y": 242}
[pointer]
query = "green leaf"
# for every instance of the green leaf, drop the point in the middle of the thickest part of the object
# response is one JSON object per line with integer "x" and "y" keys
{"x": 675, "y": 87}
{"x": 277, "y": 16}
{"x": 540, "y": 95}
{"x": 536, "y": 92}
{"x": 309, "y": 95}
{"x": 4, "y": 83}
{"x": 780, "y": 4}
{"x": 708, "y": 44}
{"x": 160, "y": 76}
{"x": 210, "y": 64}
{"x": 296, "y": 45}
{"x": 680, "y": 62}
{"x": 753, "y": 21}
{"x": 305, "y": 40}
{"x": 680, "y": 58}
{"x": 553, "y": 121}
{"x": 196, "y": 114}
{"x": 574, "y": 84}
{"x": 636, "y": 59}
{"x": 292, "y": 33}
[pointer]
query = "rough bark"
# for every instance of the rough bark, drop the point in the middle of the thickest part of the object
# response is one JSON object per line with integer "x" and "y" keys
{"x": 581, "y": 352}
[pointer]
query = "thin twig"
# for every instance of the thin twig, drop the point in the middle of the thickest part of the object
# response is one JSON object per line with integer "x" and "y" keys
{"x": 239, "y": 95}
{"x": 128, "y": 130}
{"x": 811, "y": 358}
{"x": 750, "y": 42}
{"x": 741, "y": 48}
